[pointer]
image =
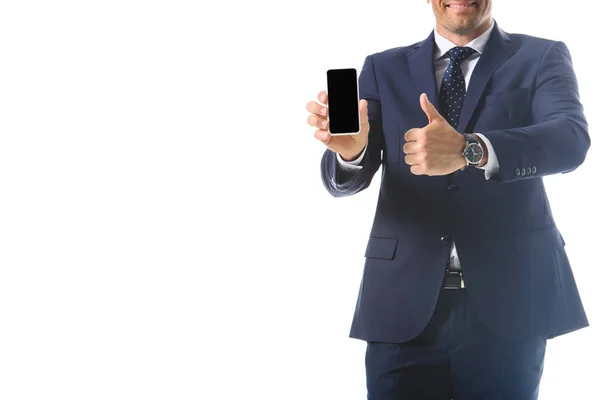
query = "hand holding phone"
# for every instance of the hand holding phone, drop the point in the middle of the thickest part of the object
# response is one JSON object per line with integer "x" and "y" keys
{"x": 348, "y": 147}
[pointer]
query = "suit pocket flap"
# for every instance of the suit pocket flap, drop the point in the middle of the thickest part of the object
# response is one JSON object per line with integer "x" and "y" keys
{"x": 538, "y": 240}
{"x": 379, "y": 247}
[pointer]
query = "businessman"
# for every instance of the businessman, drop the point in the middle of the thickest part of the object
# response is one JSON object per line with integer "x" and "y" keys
{"x": 466, "y": 275}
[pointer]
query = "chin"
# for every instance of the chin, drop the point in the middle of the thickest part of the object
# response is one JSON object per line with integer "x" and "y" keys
{"x": 463, "y": 27}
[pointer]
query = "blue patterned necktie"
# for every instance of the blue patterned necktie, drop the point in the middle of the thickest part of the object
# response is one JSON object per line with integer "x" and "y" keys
{"x": 453, "y": 89}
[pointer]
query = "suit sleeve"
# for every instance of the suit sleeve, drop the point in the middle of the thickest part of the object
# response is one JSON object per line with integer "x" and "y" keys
{"x": 341, "y": 182}
{"x": 558, "y": 139}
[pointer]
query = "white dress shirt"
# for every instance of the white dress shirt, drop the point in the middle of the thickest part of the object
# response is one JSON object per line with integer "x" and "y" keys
{"x": 467, "y": 66}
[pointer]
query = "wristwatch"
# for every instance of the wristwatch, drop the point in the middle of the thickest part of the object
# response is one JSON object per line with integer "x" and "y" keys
{"x": 473, "y": 151}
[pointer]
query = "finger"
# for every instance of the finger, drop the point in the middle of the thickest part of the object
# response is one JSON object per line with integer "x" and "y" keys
{"x": 411, "y": 159}
{"x": 412, "y": 135}
{"x": 429, "y": 109}
{"x": 364, "y": 112}
{"x": 317, "y": 122}
{"x": 323, "y": 136}
{"x": 322, "y": 96}
{"x": 316, "y": 108}
{"x": 410, "y": 148}
{"x": 417, "y": 170}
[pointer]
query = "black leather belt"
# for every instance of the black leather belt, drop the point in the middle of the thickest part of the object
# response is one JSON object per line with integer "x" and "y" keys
{"x": 453, "y": 280}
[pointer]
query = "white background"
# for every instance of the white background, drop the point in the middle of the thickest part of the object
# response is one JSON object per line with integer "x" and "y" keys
{"x": 164, "y": 233}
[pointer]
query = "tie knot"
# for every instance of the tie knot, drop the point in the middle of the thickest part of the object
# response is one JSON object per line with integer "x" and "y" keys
{"x": 459, "y": 54}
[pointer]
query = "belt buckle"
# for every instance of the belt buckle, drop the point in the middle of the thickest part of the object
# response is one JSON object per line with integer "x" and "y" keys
{"x": 454, "y": 280}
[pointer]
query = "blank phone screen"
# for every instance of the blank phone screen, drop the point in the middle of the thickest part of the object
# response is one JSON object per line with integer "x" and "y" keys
{"x": 342, "y": 92}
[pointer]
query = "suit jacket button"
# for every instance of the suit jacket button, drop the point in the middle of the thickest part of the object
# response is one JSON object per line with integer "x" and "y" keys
{"x": 453, "y": 189}
{"x": 528, "y": 170}
{"x": 533, "y": 169}
{"x": 523, "y": 171}
{"x": 445, "y": 239}
{"x": 518, "y": 172}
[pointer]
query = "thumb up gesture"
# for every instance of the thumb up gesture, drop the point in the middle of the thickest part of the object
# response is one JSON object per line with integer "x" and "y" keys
{"x": 435, "y": 149}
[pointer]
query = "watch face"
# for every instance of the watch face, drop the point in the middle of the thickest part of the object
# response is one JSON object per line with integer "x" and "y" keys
{"x": 474, "y": 153}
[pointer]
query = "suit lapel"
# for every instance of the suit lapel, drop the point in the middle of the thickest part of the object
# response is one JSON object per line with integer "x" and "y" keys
{"x": 497, "y": 50}
{"x": 421, "y": 66}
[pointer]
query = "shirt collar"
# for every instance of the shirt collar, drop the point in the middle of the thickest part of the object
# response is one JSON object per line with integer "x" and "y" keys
{"x": 477, "y": 44}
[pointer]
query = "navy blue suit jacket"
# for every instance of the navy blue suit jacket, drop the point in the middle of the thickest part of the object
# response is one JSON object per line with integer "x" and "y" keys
{"x": 523, "y": 96}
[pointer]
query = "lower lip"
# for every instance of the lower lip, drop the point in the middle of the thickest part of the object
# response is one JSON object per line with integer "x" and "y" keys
{"x": 462, "y": 9}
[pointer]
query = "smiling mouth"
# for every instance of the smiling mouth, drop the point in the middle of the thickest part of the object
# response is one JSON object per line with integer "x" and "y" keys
{"x": 461, "y": 6}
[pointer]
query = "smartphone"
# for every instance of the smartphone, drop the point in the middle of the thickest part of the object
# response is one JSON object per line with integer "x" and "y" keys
{"x": 342, "y": 92}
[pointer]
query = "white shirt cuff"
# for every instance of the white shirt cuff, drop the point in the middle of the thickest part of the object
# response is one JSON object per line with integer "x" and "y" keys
{"x": 351, "y": 165}
{"x": 492, "y": 167}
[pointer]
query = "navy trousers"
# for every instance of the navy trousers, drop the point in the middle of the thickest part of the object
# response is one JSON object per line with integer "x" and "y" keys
{"x": 455, "y": 357}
